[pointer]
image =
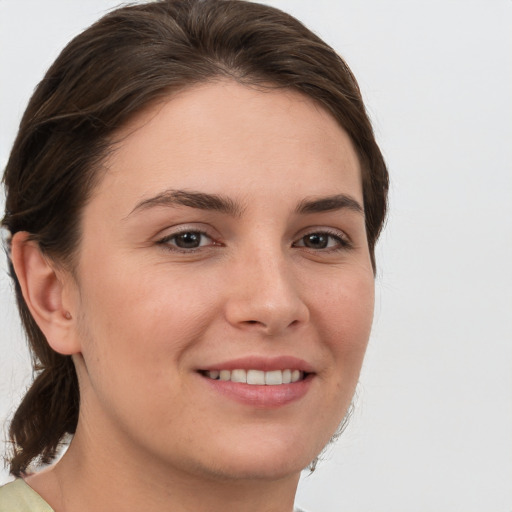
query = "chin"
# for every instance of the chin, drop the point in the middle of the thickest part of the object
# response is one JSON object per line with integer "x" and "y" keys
{"x": 269, "y": 469}
{"x": 269, "y": 459}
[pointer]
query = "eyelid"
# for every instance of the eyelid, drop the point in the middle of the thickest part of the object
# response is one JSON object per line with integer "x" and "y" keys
{"x": 170, "y": 236}
{"x": 185, "y": 227}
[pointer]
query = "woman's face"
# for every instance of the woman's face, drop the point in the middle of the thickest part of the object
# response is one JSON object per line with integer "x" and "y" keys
{"x": 227, "y": 234}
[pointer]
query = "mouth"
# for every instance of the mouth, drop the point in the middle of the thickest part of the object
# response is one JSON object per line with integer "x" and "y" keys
{"x": 257, "y": 377}
{"x": 261, "y": 382}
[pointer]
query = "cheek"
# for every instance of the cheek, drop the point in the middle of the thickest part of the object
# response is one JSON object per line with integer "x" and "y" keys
{"x": 346, "y": 311}
{"x": 135, "y": 341}
{"x": 137, "y": 322}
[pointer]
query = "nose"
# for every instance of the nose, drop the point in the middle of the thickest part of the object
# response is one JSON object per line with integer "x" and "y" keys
{"x": 264, "y": 295}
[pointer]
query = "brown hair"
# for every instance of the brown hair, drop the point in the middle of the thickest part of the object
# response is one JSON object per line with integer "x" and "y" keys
{"x": 132, "y": 56}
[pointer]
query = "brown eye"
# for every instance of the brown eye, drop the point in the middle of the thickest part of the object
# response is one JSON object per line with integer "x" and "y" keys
{"x": 316, "y": 241}
{"x": 322, "y": 240}
{"x": 187, "y": 240}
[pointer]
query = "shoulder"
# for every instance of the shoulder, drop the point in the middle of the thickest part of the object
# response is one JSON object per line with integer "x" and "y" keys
{"x": 17, "y": 496}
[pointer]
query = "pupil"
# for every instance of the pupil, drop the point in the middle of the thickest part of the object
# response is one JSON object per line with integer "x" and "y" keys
{"x": 316, "y": 241}
{"x": 188, "y": 240}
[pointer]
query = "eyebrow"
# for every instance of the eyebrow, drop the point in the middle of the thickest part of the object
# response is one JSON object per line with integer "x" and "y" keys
{"x": 216, "y": 202}
{"x": 191, "y": 199}
{"x": 329, "y": 203}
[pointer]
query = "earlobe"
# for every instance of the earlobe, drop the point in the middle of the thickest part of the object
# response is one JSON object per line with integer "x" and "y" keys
{"x": 43, "y": 289}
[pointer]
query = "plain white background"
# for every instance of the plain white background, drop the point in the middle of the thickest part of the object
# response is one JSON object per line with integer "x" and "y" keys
{"x": 432, "y": 430}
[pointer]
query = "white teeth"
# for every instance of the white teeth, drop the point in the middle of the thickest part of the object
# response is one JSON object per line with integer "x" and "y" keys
{"x": 238, "y": 376}
{"x": 296, "y": 374}
{"x": 257, "y": 377}
{"x": 274, "y": 378}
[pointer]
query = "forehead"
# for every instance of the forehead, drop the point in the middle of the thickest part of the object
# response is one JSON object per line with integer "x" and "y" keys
{"x": 224, "y": 133}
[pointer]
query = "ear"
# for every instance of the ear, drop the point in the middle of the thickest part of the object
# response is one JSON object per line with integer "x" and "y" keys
{"x": 46, "y": 292}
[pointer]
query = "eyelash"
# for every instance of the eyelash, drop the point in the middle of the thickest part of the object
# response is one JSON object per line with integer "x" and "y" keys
{"x": 341, "y": 241}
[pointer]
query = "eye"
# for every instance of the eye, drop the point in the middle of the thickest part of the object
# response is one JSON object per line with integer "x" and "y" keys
{"x": 187, "y": 240}
{"x": 322, "y": 240}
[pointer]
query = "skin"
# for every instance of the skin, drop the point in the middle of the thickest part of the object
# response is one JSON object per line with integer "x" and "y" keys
{"x": 146, "y": 315}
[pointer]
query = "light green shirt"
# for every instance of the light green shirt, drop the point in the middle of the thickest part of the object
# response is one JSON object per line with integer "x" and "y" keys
{"x": 18, "y": 496}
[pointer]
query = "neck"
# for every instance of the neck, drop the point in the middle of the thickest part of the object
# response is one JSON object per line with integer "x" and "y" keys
{"x": 106, "y": 478}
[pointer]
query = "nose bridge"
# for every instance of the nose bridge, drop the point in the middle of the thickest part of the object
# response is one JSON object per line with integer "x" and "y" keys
{"x": 273, "y": 275}
{"x": 266, "y": 295}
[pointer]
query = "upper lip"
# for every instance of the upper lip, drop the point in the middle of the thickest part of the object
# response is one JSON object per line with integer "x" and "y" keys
{"x": 262, "y": 363}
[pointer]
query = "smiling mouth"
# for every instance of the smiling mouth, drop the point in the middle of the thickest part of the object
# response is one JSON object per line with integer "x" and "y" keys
{"x": 257, "y": 377}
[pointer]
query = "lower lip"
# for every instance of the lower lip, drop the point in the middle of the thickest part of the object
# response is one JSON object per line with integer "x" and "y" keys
{"x": 265, "y": 397}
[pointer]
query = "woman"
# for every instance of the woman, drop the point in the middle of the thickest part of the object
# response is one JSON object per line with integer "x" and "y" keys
{"x": 193, "y": 201}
